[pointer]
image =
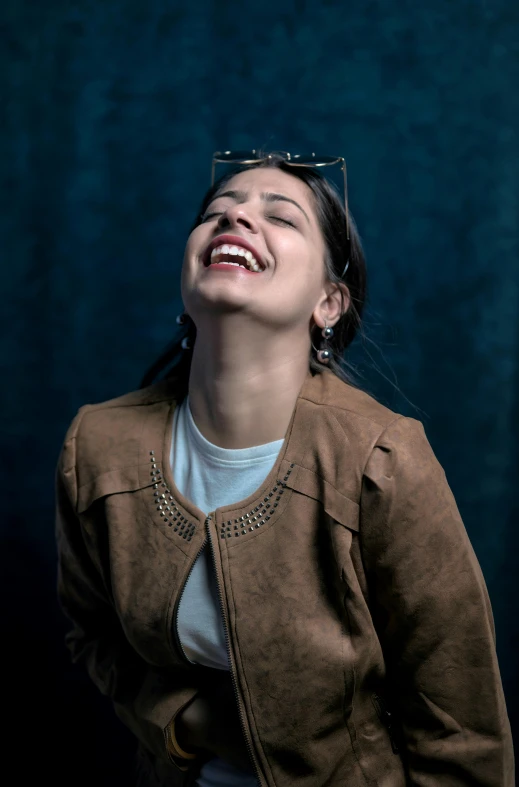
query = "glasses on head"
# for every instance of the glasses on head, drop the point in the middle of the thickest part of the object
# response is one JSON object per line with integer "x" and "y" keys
{"x": 249, "y": 157}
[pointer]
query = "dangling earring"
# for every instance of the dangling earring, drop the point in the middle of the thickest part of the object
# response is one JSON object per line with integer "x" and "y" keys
{"x": 325, "y": 354}
{"x": 181, "y": 319}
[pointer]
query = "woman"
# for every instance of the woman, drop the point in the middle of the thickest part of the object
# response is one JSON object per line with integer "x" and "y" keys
{"x": 264, "y": 567}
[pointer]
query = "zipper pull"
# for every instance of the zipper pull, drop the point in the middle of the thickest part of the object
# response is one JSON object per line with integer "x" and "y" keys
{"x": 388, "y": 721}
{"x": 386, "y": 716}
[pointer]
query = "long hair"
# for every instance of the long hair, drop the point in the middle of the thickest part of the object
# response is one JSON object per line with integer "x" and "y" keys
{"x": 175, "y": 361}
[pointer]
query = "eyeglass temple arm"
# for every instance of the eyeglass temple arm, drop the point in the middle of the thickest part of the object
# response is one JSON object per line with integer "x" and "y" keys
{"x": 346, "y": 200}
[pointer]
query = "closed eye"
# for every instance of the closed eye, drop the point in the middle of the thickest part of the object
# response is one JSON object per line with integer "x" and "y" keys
{"x": 284, "y": 221}
{"x": 274, "y": 218}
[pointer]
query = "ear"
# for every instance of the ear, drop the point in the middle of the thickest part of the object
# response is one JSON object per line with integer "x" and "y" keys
{"x": 331, "y": 306}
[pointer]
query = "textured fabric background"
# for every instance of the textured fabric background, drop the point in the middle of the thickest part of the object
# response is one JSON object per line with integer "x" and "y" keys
{"x": 109, "y": 114}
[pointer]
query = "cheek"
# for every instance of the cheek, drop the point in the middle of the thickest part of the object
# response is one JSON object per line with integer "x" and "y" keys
{"x": 191, "y": 244}
{"x": 303, "y": 260}
{"x": 195, "y": 243}
{"x": 291, "y": 250}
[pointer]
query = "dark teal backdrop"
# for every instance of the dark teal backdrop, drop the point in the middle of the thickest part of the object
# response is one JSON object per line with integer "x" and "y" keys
{"x": 109, "y": 114}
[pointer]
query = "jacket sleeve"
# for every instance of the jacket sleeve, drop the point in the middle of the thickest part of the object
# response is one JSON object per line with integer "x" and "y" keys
{"x": 433, "y": 616}
{"x": 145, "y": 698}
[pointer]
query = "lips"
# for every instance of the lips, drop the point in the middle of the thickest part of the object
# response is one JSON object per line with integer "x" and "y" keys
{"x": 231, "y": 240}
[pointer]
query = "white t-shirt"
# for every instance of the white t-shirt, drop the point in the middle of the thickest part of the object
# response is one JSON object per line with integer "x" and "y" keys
{"x": 211, "y": 476}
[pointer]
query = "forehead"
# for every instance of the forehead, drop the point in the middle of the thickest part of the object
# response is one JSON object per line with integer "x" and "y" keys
{"x": 271, "y": 179}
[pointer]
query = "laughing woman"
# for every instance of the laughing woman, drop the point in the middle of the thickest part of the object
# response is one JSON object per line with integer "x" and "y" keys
{"x": 264, "y": 568}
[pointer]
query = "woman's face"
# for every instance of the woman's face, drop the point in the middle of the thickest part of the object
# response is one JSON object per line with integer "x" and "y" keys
{"x": 261, "y": 219}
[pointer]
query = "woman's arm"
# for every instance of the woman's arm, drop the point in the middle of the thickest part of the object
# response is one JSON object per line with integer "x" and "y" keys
{"x": 434, "y": 618}
{"x": 211, "y": 724}
{"x": 144, "y": 698}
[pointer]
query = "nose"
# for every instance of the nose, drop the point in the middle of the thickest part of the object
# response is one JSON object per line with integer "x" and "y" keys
{"x": 236, "y": 216}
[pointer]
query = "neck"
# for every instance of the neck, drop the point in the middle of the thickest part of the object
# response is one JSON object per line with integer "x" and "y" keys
{"x": 244, "y": 383}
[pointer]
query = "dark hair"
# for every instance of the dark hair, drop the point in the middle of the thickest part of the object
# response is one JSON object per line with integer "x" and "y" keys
{"x": 332, "y": 220}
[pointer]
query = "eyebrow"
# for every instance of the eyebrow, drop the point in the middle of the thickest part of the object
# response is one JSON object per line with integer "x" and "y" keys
{"x": 268, "y": 196}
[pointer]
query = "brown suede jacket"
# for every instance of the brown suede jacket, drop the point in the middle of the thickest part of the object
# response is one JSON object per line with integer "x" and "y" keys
{"x": 360, "y": 631}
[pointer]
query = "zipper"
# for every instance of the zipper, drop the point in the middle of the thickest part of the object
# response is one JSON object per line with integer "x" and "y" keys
{"x": 177, "y": 607}
{"x": 386, "y": 716}
{"x": 241, "y": 712}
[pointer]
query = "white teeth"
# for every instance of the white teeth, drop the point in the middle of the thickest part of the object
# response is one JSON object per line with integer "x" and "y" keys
{"x": 252, "y": 263}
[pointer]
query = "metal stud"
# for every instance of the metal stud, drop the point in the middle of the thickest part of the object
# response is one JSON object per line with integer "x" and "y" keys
{"x": 249, "y": 522}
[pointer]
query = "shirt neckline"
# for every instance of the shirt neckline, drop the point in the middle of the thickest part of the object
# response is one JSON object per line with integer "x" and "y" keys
{"x": 218, "y": 454}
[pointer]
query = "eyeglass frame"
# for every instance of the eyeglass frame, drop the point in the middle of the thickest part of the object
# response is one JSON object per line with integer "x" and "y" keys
{"x": 288, "y": 159}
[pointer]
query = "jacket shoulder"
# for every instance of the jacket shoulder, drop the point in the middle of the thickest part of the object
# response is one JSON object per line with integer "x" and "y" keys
{"x": 153, "y": 394}
{"x": 108, "y": 435}
{"x": 158, "y": 392}
{"x": 344, "y": 427}
{"x": 351, "y": 406}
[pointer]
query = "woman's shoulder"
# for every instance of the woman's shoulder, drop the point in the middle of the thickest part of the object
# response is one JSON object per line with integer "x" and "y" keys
{"x": 353, "y": 425}
{"x": 158, "y": 392}
{"x": 356, "y": 409}
{"x": 354, "y": 434}
{"x": 101, "y": 424}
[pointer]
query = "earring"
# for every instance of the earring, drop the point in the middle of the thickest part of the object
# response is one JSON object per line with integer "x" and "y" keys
{"x": 182, "y": 319}
{"x": 325, "y": 354}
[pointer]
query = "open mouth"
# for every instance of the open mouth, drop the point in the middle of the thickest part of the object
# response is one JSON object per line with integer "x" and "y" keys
{"x": 234, "y": 255}
{"x": 226, "y": 251}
